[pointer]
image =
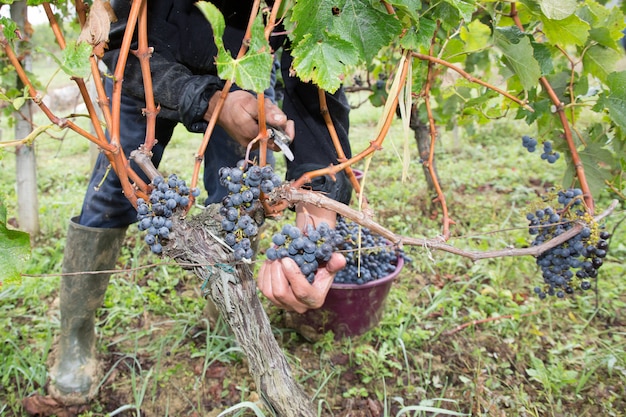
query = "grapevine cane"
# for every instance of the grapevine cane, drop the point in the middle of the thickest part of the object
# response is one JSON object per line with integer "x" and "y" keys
{"x": 220, "y": 103}
{"x": 472, "y": 79}
{"x": 36, "y": 97}
{"x": 143, "y": 53}
{"x": 375, "y": 144}
{"x": 431, "y": 154}
{"x": 295, "y": 195}
{"x": 578, "y": 165}
{"x": 341, "y": 155}
{"x": 54, "y": 25}
{"x": 81, "y": 11}
{"x": 116, "y": 158}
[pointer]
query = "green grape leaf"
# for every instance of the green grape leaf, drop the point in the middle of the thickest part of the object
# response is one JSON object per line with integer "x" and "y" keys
{"x": 354, "y": 21}
{"x": 518, "y": 55}
{"x": 569, "y": 31}
{"x": 311, "y": 17}
{"x": 464, "y": 8}
{"x": 333, "y": 51}
{"x": 14, "y": 250}
{"x": 253, "y": 70}
{"x": 75, "y": 59}
{"x": 476, "y": 35}
{"x": 557, "y": 9}
{"x": 215, "y": 17}
{"x": 367, "y": 28}
{"x": 250, "y": 72}
{"x": 600, "y": 61}
{"x": 19, "y": 102}
{"x": 446, "y": 14}
{"x": 603, "y": 37}
{"x": 544, "y": 57}
{"x": 410, "y": 7}
{"x": 606, "y": 24}
{"x": 596, "y": 162}
{"x": 615, "y": 101}
{"x": 9, "y": 28}
{"x": 419, "y": 38}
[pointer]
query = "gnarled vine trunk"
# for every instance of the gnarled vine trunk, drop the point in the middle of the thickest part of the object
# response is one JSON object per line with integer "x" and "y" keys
{"x": 233, "y": 290}
{"x": 422, "y": 138}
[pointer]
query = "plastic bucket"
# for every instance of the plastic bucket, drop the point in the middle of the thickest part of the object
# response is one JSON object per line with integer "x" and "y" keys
{"x": 350, "y": 309}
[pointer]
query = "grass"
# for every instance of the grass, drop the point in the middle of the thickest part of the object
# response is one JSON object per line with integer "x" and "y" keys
{"x": 457, "y": 337}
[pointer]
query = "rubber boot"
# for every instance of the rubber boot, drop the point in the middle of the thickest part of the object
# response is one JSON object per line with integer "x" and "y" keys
{"x": 75, "y": 372}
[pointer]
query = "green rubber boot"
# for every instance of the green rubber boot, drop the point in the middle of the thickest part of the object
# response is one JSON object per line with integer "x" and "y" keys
{"x": 74, "y": 374}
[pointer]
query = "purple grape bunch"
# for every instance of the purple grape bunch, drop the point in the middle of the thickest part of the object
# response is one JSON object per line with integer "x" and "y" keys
{"x": 371, "y": 259}
{"x": 245, "y": 183}
{"x": 154, "y": 215}
{"x": 572, "y": 264}
{"x": 548, "y": 154}
{"x": 310, "y": 249}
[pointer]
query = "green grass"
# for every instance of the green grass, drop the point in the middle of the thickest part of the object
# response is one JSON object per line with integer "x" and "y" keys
{"x": 515, "y": 355}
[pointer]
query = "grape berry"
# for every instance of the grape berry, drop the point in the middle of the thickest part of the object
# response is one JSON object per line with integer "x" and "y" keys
{"x": 574, "y": 263}
{"x": 154, "y": 216}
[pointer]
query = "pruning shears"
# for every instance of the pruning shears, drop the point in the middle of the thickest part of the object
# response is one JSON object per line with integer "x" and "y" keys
{"x": 282, "y": 140}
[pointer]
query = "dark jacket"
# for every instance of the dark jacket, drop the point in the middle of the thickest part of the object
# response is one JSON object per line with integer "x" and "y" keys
{"x": 184, "y": 79}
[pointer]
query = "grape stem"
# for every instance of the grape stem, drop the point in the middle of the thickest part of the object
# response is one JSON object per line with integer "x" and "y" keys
{"x": 294, "y": 195}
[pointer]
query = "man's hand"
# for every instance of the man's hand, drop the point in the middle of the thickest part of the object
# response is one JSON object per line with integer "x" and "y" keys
{"x": 282, "y": 282}
{"x": 240, "y": 114}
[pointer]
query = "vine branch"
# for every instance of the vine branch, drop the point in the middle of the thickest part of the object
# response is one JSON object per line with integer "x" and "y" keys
{"x": 295, "y": 195}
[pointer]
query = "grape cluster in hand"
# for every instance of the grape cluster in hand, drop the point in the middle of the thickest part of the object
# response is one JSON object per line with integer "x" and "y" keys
{"x": 376, "y": 258}
{"x": 244, "y": 183}
{"x": 310, "y": 249}
{"x": 154, "y": 215}
{"x": 574, "y": 263}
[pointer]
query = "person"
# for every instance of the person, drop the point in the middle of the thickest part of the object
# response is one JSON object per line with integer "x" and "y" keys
{"x": 185, "y": 86}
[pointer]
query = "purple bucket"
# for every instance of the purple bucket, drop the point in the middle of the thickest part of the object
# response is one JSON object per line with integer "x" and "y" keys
{"x": 350, "y": 309}
{"x": 358, "y": 174}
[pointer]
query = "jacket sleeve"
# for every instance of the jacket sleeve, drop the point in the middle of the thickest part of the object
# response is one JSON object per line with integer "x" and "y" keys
{"x": 183, "y": 96}
{"x": 182, "y": 89}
